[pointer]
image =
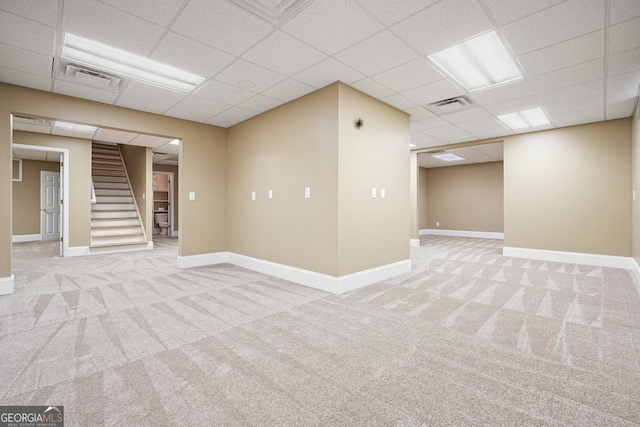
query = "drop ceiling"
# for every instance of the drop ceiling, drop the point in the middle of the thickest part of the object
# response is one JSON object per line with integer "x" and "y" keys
{"x": 580, "y": 58}
{"x": 481, "y": 153}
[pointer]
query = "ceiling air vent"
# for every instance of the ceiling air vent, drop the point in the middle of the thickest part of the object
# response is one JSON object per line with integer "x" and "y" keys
{"x": 451, "y": 105}
{"x": 89, "y": 77}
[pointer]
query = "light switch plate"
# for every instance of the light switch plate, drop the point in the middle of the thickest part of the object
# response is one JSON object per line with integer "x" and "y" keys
{"x": 253, "y": 195}
{"x": 374, "y": 192}
{"x": 192, "y": 195}
{"x": 383, "y": 193}
{"x": 271, "y": 194}
{"x": 307, "y": 192}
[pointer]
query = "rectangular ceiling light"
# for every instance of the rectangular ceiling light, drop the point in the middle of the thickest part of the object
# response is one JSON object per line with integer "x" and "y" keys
{"x": 526, "y": 119}
{"x": 447, "y": 157}
{"x": 75, "y": 127}
{"x": 478, "y": 63}
{"x": 111, "y": 59}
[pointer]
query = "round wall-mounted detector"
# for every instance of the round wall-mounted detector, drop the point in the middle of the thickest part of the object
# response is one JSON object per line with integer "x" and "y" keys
{"x": 358, "y": 123}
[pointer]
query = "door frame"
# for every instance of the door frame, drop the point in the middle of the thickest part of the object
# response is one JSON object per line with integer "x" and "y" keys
{"x": 64, "y": 190}
{"x": 172, "y": 231}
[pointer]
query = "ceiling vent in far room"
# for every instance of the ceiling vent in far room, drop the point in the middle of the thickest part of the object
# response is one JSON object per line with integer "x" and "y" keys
{"x": 89, "y": 77}
{"x": 450, "y": 105}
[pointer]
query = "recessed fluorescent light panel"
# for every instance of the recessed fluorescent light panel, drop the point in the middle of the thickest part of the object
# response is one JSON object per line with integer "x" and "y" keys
{"x": 447, "y": 157}
{"x": 478, "y": 63}
{"x": 526, "y": 119}
{"x": 111, "y": 59}
{"x": 75, "y": 127}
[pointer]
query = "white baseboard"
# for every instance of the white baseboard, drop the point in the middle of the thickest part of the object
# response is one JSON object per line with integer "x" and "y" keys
{"x": 636, "y": 273}
{"x": 423, "y": 232}
{"x": 86, "y": 250}
{"x": 312, "y": 279}
{"x": 414, "y": 243}
{"x": 461, "y": 233}
{"x": 7, "y": 285}
{"x": 626, "y": 263}
{"x": 190, "y": 261}
{"x": 26, "y": 238}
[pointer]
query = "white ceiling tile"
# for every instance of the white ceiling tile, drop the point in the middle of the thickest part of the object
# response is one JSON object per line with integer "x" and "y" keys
{"x": 372, "y": 88}
{"x": 623, "y": 81}
{"x": 621, "y": 110}
{"x": 495, "y": 149}
{"x": 157, "y": 11}
{"x": 167, "y": 149}
{"x": 419, "y": 113}
{"x": 193, "y": 116}
{"x": 398, "y": 101}
{"x": 470, "y": 153}
{"x": 238, "y": 113}
{"x": 222, "y": 92}
{"x": 84, "y": 92}
{"x": 569, "y": 76}
{"x": 505, "y": 11}
{"x": 190, "y": 55}
{"x": 465, "y": 115}
{"x": 348, "y": 22}
{"x": 365, "y": 56}
{"x": 327, "y": 72}
{"x": 581, "y": 90}
{"x": 622, "y": 96}
{"x": 221, "y": 25}
{"x": 25, "y": 34}
{"x": 282, "y": 53}
{"x": 487, "y": 122}
{"x": 22, "y": 60}
{"x": 428, "y": 124}
{"x": 117, "y": 136}
{"x": 407, "y": 76}
{"x": 146, "y": 92}
{"x": 624, "y": 62}
{"x": 150, "y": 141}
{"x": 20, "y": 78}
{"x": 579, "y": 117}
{"x": 422, "y": 140}
{"x": 221, "y": 122}
{"x": 392, "y": 12}
{"x": 506, "y": 92}
{"x": 513, "y": 105}
{"x": 624, "y": 36}
{"x": 141, "y": 105}
{"x": 443, "y": 25}
{"x": 491, "y": 132}
{"x": 31, "y": 127}
{"x": 442, "y": 89}
{"x": 260, "y": 103}
{"x": 571, "y": 52}
{"x": 39, "y": 155}
{"x": 243, "y": 70}
{"x": 288, "y": 90}
{"x": 622, "y": 10}
{"x": 556, "y": 24}
{"x": 94, "y": 20}
{"x": 42, "y": 11}
{"x": 71, "y": 133}
{"x": 576, "y": 105}
{"x": 202, "y": 105}
{"x": 450, "y": 134}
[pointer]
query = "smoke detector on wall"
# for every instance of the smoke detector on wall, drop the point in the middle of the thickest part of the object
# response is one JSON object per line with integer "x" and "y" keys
{"x": 450, "y": 105}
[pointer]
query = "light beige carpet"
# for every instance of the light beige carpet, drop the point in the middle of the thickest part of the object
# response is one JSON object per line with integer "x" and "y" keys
{"x": 467, "y": 338}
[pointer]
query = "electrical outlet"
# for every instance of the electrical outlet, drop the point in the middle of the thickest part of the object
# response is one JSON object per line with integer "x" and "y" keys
{"x": 437, "y": 223}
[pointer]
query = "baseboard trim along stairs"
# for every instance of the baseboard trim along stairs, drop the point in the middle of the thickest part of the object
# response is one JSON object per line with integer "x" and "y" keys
{"x": 115, "y": 218}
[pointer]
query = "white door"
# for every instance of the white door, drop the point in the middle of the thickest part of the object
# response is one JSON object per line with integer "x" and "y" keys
{"x": 50, "y": 205}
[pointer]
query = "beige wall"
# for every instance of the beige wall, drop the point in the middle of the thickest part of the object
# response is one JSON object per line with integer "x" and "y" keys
{"x": 285, "y": 150}
{"x": 202, "y": 153}
{"x": 138, "y": 162}
{"x": 568, "y": 189}
{"x": 176, "y": 193}
{"x": 422, "y": 199}
{"x": 465, "y": 197}
{"x": 635, "y": 185}
{"x": 79, "y": 164}
{"x": 26, "y": 197}
{"x": 371, "y": 232}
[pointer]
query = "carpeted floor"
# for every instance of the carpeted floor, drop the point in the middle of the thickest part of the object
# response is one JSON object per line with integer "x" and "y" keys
{"x": 469, "y": 337}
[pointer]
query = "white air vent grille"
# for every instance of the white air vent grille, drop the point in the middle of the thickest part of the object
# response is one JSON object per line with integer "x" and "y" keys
{"x": 89, "y": 77}
{"x": 450, "y": 105}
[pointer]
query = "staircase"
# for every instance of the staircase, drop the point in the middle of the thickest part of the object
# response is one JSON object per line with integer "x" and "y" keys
{"x": 115, "y": 219}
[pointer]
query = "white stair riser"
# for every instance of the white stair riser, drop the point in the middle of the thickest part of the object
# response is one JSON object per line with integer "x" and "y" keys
{"x": 111, "y": 185}
{"x": 114, "y": 179}
{"x": 115, "y": 232}
{"x": 113, "y": 207}
{"x": 103, "y": 172}
{"x": 114, "y": 199}
{"x": 117, "y": 240}
{"x": 113, "y": 215}
{"x": 114, "y": 222}
{"x": 112, "y": 192}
